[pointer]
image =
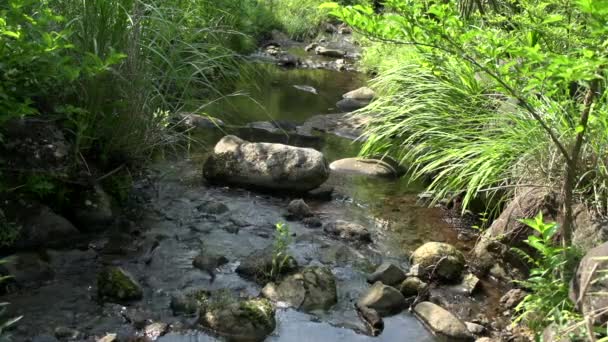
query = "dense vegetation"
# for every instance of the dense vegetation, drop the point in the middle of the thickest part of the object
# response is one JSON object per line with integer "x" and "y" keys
{"x": 492, "y": 97}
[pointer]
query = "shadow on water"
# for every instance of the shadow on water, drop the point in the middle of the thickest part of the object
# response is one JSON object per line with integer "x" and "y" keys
{"x": 271, "y": 95}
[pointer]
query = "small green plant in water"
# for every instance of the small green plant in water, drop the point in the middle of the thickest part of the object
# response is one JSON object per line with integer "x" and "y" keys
{"x": 548, "y": 299}
{"x": 281, "y": 259}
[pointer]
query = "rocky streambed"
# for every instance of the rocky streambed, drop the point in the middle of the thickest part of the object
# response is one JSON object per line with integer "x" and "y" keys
{"x": 194, "y": 260}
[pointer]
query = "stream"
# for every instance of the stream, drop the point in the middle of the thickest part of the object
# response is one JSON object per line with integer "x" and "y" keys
{"x": 170, "y": 229}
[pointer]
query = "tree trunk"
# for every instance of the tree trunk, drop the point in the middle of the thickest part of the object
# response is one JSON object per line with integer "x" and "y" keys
{"x": 572, "y": 166}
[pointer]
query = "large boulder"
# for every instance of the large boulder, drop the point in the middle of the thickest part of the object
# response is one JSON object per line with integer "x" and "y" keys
{"x": 361, "y": 94}
{"x": 364, "y": 166}
{"x": 386, "y": 300}
{"x": 442, "y": 322}
{"x": 265, "y": 165}
{"x": 348, "y": 231}
{"x": 335, "y": 53}
{"x": 117, "y": 285}
{"x": 589, "y": 286}
{"x": 40, "y": 226}
{"x": 313, "y": 288}
{"x": 508, "y": 230}
{"x": 258, "y": 265}
{"x": 439, "y": 259}
{"x": 590, "y": 230}
{"x": 248, "y": 320}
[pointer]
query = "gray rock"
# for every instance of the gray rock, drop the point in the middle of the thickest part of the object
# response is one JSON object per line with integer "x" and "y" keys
{"x": 513, "y": 297}
{"x": 265, "y": 165}
{"x": 474, "y": 328}
{"x": 248, "y": 320}
{"x": 155, "y": 330}
{"x": 412, "y": 286}
{"x": 507, "y": 229}
{"x": 209, "y": 263}
{"x": 442, "y": 322}
{"x": 258, "y": 265}
{"x": 93, "y": 211}
{"x": 364, "y": 94}
{"x": 118, "y": 286}
{"x": 212, "y": 207}
{"x": 108, "y": 338}
{"x": 468, "y": 285}
{"x": 335, "y": 53}
{"x": 298, "y": 209}
{"x": 372, "y": 319}
{"x": 439, "y": 259}
{"x": 348, "y": 231}
{"x": 342, "y": 125}
{"x": 41, "y": 227}
{"x": 313, "y": 288}
{"x": 590, "y": 230}
{"x": 388, "y": 274}
{"x": 386, "y": 300}
{"x": 312, "y": 222}
{"x": 589, "y": 285}
{"x": 364, "y": 166}
{"x": 349, "y": 105}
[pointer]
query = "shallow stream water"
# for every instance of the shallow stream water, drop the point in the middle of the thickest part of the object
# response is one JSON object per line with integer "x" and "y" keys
{"x": 171, "y": 225}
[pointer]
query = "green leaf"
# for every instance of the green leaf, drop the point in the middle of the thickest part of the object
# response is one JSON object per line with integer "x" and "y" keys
{"x": 12, "y": 34}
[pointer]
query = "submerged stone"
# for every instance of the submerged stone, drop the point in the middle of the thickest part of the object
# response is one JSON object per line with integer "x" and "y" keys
{"x": 386, "y": 300}
{"x": 248, "y": 320}
{"x": 313, "y": 288}
{"x": 117, "y": 285}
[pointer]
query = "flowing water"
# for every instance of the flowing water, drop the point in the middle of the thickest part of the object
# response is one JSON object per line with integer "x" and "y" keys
{"x": 171, "y": 225}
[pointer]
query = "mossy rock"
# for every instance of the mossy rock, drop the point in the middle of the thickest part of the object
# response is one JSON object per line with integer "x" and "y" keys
{"x": 245, "y": 320}
{"x": 117, "y": 285}
{"x": 439, "y": 259}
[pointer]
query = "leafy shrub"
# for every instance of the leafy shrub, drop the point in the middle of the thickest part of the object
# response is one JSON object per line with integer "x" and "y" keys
{"x": 34, "y": 55}
{"x": 548, "y": 298}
